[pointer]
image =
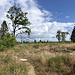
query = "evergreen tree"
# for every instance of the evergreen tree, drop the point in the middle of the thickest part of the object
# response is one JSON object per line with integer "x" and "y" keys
{"x": 73, "y": 35}
{"x": 58, "y": 36}
{"x": 4, "y": 29}
{"x": 34, "y": 40}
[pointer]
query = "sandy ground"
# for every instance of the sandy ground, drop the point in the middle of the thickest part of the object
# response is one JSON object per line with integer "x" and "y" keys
{"x": 30, "y": 69}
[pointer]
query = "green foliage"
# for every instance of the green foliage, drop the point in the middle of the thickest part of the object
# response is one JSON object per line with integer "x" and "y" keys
{"x": 40, "y": 41}
{"x": 4, "y": 29}
{"x": 61, "y": 35}
{"x": 58, "y": 36}
{"x": 56, "y": 60}
{"x": 56, "y": 63}
{"x": 35, "y": 41}
{"x": 2, "y": 47}
{"x": 36, "y": 46}
{"x": 72, "y": 49}
{"x": 19, "y": 20}
{"x": 41, "y": 74}
{"x": 73, "y": 35}
{"x": 7, "y": 41}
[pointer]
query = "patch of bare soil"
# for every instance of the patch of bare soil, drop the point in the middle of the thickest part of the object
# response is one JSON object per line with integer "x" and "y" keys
{"x": 72, "y": 53}
{"x": 30, "y": 69}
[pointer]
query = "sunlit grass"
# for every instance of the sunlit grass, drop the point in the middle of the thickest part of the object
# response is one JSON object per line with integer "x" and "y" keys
{"x": 47, "y": 59}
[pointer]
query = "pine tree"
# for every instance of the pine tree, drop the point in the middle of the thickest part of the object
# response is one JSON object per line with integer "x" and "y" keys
{"x": 73, "y": 35}
{"x": 3, "y": 29}
{"x": 58, "y": 36}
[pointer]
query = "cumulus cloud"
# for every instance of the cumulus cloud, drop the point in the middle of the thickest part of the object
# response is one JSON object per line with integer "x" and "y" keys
{"x": 41, "y": 26}
{"x": 47, "y": 31}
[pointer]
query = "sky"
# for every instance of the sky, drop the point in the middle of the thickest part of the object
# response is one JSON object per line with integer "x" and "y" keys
{"x": 46, "y": 17}
{"x": 63, "y": 10}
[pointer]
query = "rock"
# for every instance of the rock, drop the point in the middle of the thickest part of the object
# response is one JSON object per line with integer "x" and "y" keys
{"x": 24, "y": 60}
{"x": 71, "y": 53}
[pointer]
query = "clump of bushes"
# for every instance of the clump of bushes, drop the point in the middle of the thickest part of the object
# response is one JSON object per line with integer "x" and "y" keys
{"x": 60, "y": 64}
{"x": 7, "y": 41}
{"x": 57, "y": 65}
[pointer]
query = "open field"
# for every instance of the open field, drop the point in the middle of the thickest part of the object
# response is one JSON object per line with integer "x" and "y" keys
{"x": 39, "y": 59}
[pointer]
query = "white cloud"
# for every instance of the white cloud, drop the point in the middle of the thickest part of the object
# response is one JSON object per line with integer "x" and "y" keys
{"x": 41, "y": 26}
{"x": 67, "y": 16}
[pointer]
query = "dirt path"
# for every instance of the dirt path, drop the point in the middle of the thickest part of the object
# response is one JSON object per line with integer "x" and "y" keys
{"x": 72, "y": 55}
{"x": 30, "y": 69}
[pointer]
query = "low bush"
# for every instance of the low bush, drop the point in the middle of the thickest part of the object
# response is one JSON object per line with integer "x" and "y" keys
{"x": 7, "y": 41}
{"x": 59, "y": 64}
{"x": 36, "y": 46}
{"x": 2, "y": 48}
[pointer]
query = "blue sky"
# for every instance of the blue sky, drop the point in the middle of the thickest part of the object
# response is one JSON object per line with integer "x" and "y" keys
{"x": 62, "y": 10}
{"x": 46, "y": 17}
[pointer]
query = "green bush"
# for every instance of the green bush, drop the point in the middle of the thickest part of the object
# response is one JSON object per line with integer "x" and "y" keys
{"x": 41, "y": 74}
{"x": 36, "y": 46}
{"x": 7, "y": 41}
{"x": 2, "y": 48}
{"x": 55, "y": 64}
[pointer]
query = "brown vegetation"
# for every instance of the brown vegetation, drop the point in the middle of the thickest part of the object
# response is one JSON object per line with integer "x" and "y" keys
{"x": 45, "y": 59}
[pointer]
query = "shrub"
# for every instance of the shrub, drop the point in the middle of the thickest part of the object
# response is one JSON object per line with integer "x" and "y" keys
{"x": 58, "y": 63}
{"x": 36, "y": 46}
{"x": 2, "y": 47}
{"x": 7, "y": 41}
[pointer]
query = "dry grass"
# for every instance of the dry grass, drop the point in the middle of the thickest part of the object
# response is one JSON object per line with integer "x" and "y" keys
{"x": 39, "y": 54}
